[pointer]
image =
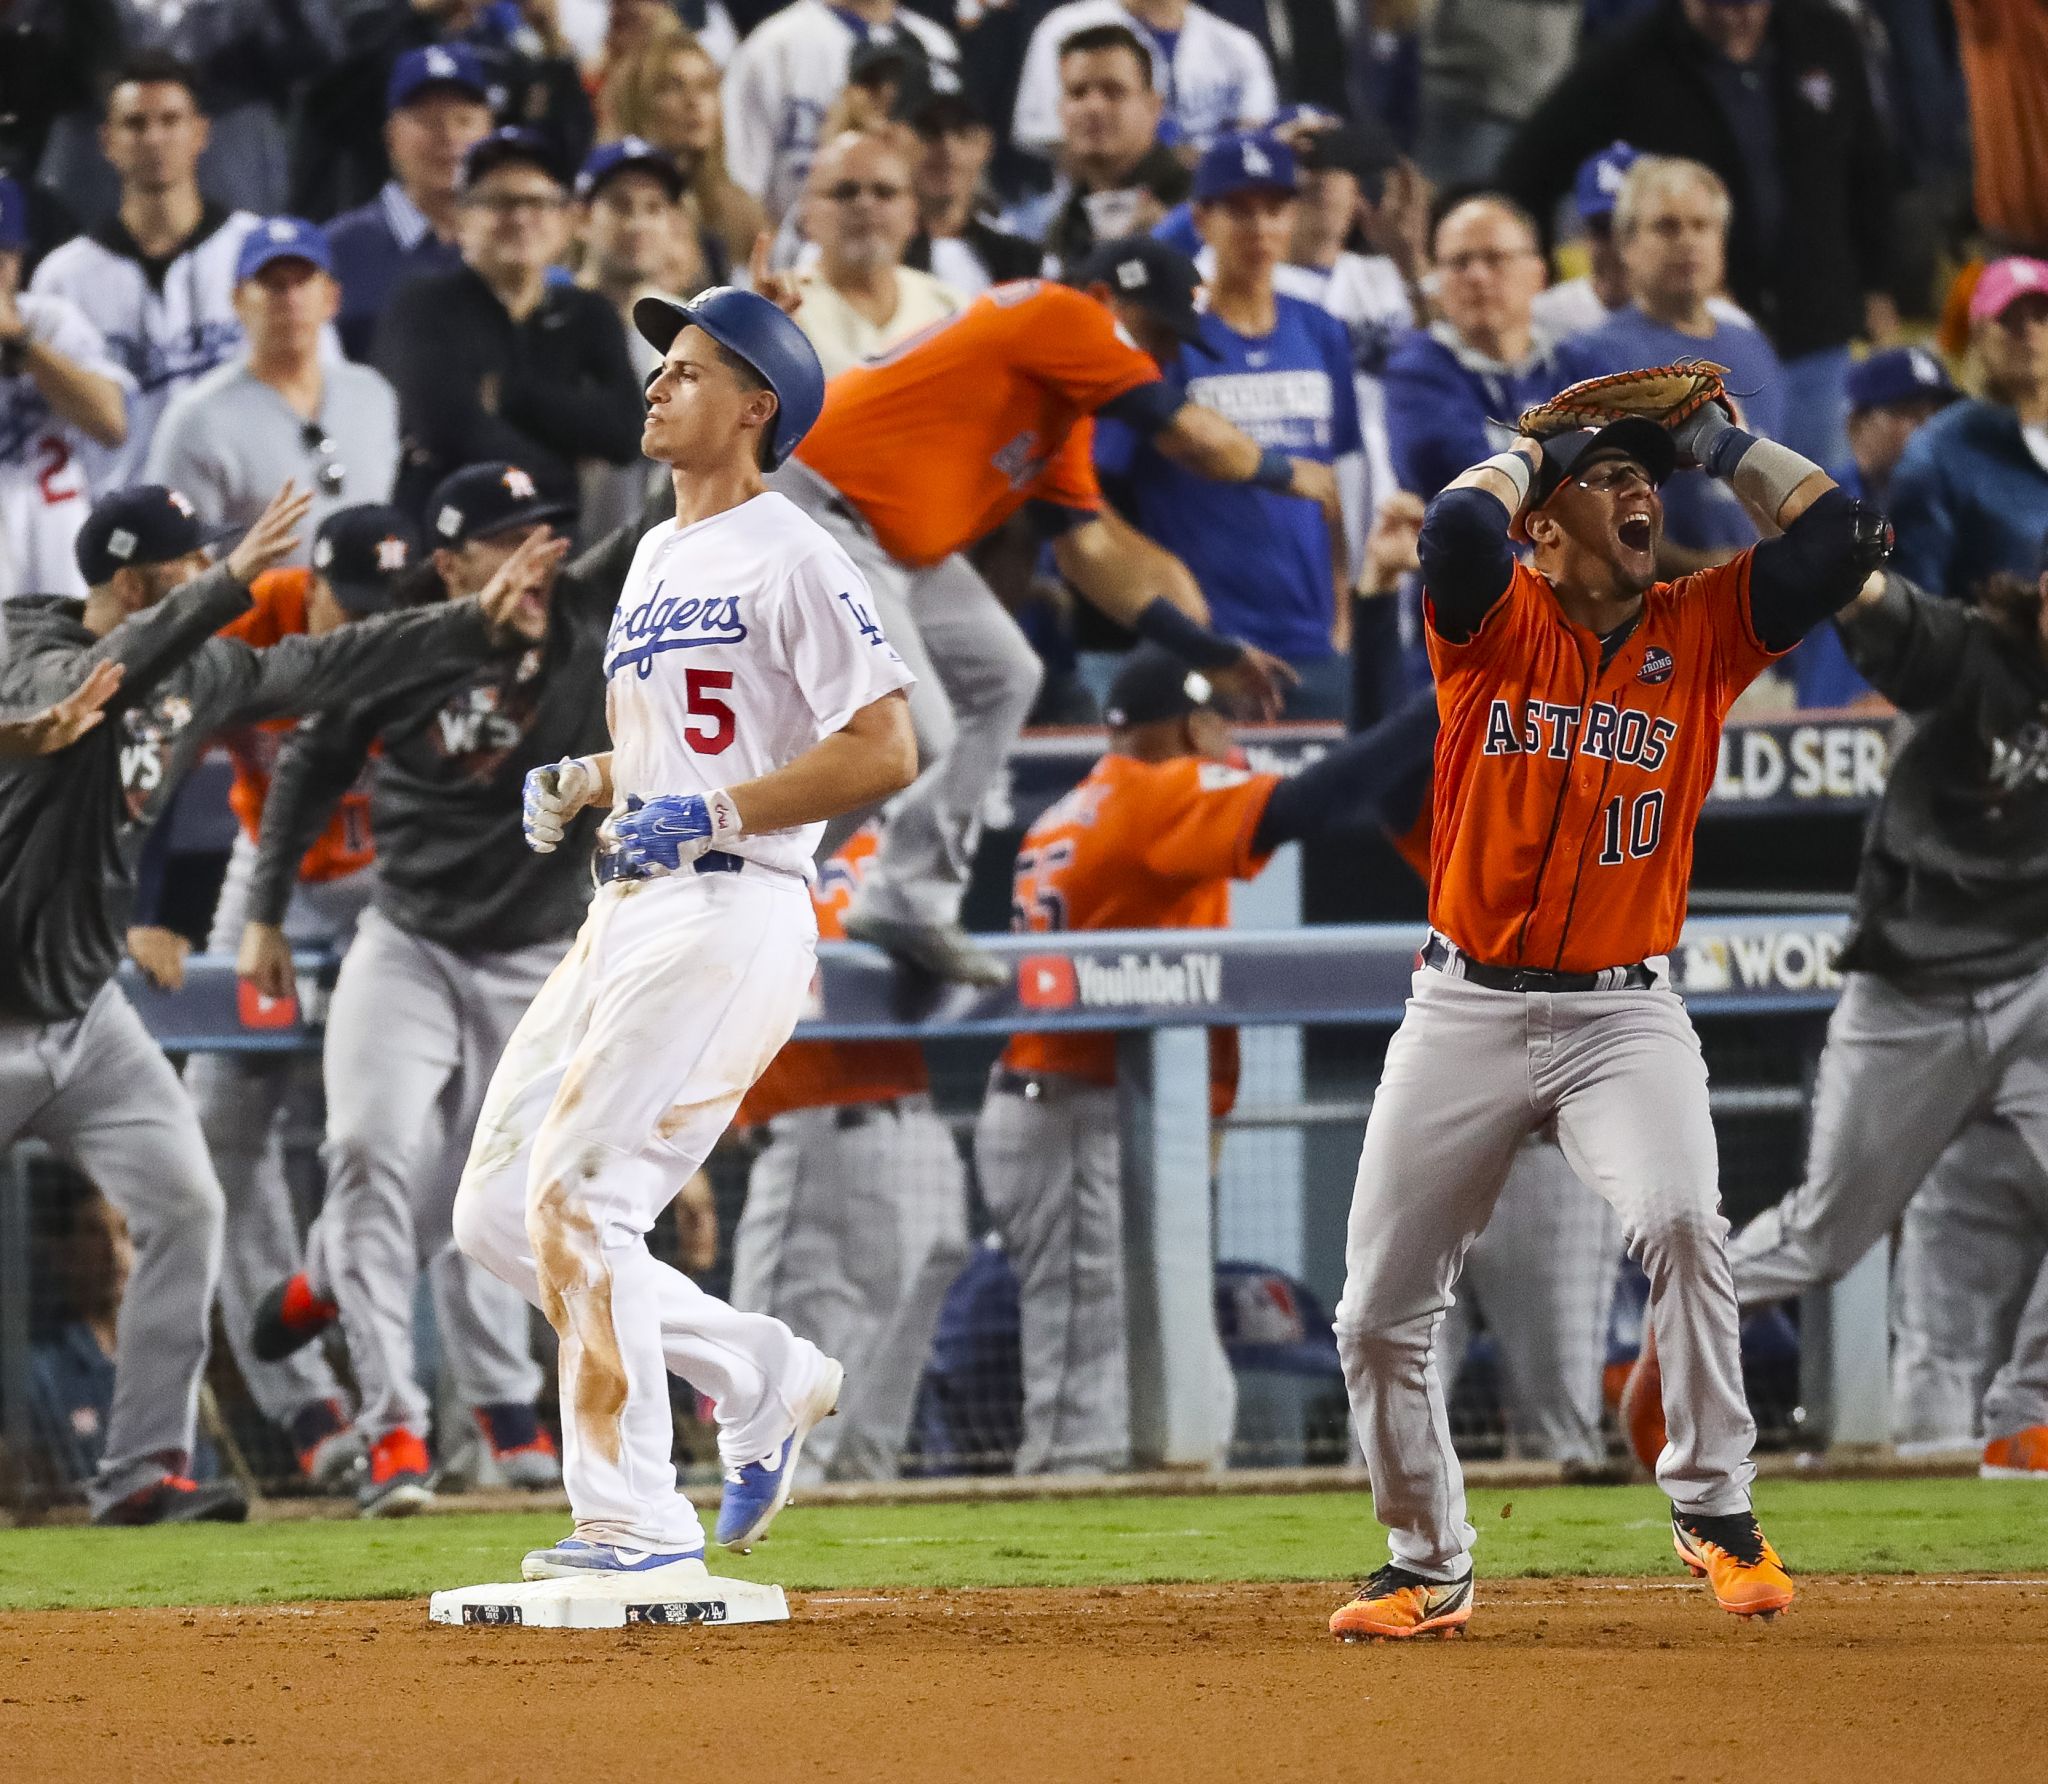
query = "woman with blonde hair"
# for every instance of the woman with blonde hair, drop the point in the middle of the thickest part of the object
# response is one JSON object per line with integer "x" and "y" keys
{"x": 667, "y": 92}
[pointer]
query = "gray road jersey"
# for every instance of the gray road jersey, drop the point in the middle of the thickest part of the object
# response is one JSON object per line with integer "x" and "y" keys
{"x": 72, "y": 824}
{"x": 1954, "y": 881}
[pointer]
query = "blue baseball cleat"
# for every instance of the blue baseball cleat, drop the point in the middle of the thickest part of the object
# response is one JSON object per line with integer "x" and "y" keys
{"x": 755, "y": 1493}
{"x": 572, "y": 1558}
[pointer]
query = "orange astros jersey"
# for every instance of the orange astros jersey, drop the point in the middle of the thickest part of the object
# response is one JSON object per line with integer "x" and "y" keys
{"x": 1138, "y": 845}
{"x": 949, "y": 433}
{"x": 1565, "y": 793}
{"x": 344, "y": 847}
{"x": 819, "y": 1074}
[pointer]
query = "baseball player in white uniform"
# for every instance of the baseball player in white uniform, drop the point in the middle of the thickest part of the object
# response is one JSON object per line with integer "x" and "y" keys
{"x": 751, "y": 697}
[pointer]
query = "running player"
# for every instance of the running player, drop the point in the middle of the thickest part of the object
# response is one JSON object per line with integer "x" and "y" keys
{"x": 752, "y": 696}
{"x": 1582, "y": 706}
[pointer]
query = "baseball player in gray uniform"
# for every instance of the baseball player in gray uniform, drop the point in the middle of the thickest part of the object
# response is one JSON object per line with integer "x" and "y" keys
{"x": 1943, "y": 1020}
{"x": 77, "y": 1069}
{"x": 465, "y": 925}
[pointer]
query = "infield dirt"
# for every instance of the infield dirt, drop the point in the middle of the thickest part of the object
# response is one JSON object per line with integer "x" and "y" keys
{"x": 1887, "y": 1680}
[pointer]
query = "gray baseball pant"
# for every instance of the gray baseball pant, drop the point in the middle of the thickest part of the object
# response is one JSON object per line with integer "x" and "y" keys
{"x": 855, "y": 1227}
{"x": 1970, "y": 1296}
{"x": 976, "y": 679}
{"x": 1902, "y": 1074}
{"x": 99, "y": 1093}
{"x": 242, "y": 1103}
{"x": 1542, "y": 1274}
{"x": 414, "y": 1031}
{"x": 1470, "y": 1074}
{"x": 1050, "y": 1165}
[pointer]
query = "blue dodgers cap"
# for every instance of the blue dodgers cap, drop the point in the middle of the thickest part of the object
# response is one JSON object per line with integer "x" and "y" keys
{"x": 13, "y": 214}
{"x": 133, "y": 528}
{"x": 1598, "y": 182}
{"x": 1899, "y": 375}
{"x": 1251, "y": 162}
{"x": 630, "y": 154}
{"x": 509, "y": 147}
{"x": 746, "y": 323}
{"x": 453, "y": 66}
{"x": 283, "y": 238}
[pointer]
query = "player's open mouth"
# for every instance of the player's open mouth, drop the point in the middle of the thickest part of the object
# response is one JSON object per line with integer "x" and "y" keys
{"x": 1634, "y": 532}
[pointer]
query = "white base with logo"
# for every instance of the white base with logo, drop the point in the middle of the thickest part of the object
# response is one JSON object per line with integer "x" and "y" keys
{"x": 668, "y": 1597}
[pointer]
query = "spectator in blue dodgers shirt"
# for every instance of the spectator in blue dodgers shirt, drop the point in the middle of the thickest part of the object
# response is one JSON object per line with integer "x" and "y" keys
{"x": 1970, "y": 497}
{"x": 1211, "y": 75}
{"x": 437, "y": 107}
{"x": 1892, "y": 395}
{"x": 281, "y": 407}
{"x": 1671, "y": 230}
{"x": 785, "y": 75}
{"x": 1280, "y": 368}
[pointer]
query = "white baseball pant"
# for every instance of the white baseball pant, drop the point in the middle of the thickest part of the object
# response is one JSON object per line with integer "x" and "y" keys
{"x": 674, "y": 998}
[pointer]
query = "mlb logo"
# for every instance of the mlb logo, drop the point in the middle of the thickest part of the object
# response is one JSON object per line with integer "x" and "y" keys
{"x": 1046, "y": 982}
{"x": 258, "y": 1011}
{"x": 1658, "y": 664}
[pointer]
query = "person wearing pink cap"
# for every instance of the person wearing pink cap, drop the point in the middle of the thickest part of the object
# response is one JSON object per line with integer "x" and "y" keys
{"x": 1970, "y": 498}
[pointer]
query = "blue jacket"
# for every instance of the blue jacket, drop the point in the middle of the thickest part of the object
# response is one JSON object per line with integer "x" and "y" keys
{"x": 1447, "y": 408}
{"x": 1968, "y": 500}
{"x": 377, "y": 247}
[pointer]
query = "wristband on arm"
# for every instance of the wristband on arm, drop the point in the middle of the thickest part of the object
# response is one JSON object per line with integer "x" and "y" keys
{"x": 1164, "y": 624}
{"x": 1275, "y": 472}
{"x": 1516, "y": 469}
{"x": 1762, "y": 472}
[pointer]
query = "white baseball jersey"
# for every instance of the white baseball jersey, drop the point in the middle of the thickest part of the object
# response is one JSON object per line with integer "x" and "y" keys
{"x": 738, "y": 643}
{"x": 782, "y": 81}
{"x": 45, "y": 490}
{"x": 165, "y": 330}
{"x": 1214, "y": 76}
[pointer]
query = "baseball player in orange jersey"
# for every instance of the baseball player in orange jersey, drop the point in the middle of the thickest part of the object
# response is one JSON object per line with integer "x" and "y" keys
{"x": 923, "y": 451}
{"x": 856, "y": 1216}
{"x": 1582, "y": 703}
{"x": 1150, "y": 840}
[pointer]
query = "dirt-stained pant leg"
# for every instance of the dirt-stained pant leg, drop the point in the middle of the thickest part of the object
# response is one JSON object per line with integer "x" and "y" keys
{"x": 1624, "y": 1073}
{"x": 611, "y": 1094}
{"x": 99, "y": 1093}
{"x": 1972, "y": 1244}
{"x": 1452, "y": 1106}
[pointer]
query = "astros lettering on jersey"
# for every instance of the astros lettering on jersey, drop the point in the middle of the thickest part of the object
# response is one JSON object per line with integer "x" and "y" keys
{"x": 1566, "y": 793}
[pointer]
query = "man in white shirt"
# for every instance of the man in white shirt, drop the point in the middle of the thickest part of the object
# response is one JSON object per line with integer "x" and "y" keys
{"x": 859, "y": 298}
{"x": 281, "y": 407}
{"x": 59, "y": 392}
{"x": 783, "y": 79}
{"x": 1212, "y": 75}
{"x": 157, "y": 279}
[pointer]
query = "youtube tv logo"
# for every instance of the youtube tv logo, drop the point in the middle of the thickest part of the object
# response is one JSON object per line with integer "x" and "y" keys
{"x": 1046, "y": 982}
{"x": 258, "y": 1011}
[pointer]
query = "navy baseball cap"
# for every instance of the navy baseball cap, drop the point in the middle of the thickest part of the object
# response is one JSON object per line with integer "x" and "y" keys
{"x": 630, "y": 154}
{"x": 1899, "y": 375}
{"x": 283, "y": 238}
{"x": 1150, "y": 274}
{"x": 133, "y": 528}
{"x": 13, "y": 214}
{"x": 509, "y": 147}
{"x": 480, "y": 500}
{"x": 935, "y": 102}
{"x": 1252, "y": 162}
{"x": 1599, "y": 178}
{"x": 440, "y": 66}
{"x": 363, "y": 552}
{"x": 1155, "y": 685}
{"x": 1635, "y": 436}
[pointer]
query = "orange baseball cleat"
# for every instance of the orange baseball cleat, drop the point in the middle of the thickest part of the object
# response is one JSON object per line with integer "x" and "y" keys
{"x": 1642, "y": 1405}
{"x": 1730, "y": 1554}
{"x": 1395, "y": 1605}
{"x": 398, "y": 1482}
{"x": 2022, "y": 1456}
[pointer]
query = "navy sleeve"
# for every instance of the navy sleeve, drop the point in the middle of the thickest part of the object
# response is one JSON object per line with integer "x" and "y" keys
{"x": 1346, "y": 788}
{"x": 1048, "y": 520}
{"x": 1467, "y": 562}
{"x": 1814, "y": 567}
{"x": 1148, "y": 408}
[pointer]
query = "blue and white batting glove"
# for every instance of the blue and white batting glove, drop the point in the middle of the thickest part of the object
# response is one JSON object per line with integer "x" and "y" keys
{"x": 665, "y": 834}
{"x": 552, "y": 798}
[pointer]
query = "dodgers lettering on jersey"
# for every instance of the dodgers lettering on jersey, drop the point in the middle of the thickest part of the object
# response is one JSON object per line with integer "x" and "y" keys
{"x": 738, "y": 643}
{"x": 1566, "y": 792}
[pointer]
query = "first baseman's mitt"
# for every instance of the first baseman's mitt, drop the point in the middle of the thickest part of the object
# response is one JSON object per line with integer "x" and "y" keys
{"x": 1670, "y": 394}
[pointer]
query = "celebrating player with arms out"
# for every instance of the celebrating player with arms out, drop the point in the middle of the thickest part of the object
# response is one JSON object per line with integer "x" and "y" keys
{"x": 1582, "y": 703}
{"x": 751, "y": 696}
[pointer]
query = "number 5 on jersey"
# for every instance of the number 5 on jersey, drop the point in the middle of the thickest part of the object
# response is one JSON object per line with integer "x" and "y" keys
{"x": 701, "y": 688}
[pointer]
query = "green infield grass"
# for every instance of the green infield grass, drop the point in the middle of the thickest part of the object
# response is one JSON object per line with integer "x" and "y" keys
{"x": 1899, "y": 1526}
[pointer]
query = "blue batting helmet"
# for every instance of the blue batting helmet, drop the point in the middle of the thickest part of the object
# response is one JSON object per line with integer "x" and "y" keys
{"x": 746, "y": 323}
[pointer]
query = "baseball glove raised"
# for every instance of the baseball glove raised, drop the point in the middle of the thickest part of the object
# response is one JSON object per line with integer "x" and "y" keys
{"x": 1670, "y": 394}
